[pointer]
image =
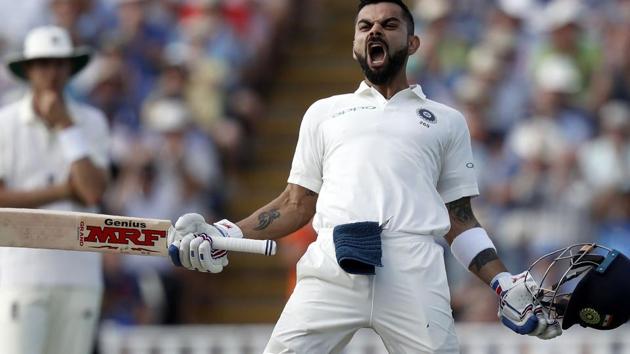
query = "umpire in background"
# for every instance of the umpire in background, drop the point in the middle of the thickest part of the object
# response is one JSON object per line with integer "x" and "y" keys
{"x": 53, "y": 155}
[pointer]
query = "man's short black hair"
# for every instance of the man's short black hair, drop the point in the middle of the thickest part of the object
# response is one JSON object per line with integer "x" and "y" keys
{"x": 406, "y": 13}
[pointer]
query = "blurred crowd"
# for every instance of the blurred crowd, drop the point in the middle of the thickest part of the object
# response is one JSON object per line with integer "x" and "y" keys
{"x": 180, "y": 82}
{"x": 545, "y": 87}
{"x": 182, "y": 85}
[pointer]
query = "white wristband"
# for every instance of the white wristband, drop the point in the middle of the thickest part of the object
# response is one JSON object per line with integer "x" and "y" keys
{"x": 469, "y": 243}
{"x": 73, "y": 145}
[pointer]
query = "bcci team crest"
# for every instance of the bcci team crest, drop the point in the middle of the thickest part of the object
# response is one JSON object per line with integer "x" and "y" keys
{"x": 590, "y": 316}
{"x": 426, "y": 115}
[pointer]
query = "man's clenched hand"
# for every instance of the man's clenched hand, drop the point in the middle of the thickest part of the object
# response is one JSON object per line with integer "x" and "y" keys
{"x": 519, "y": 309}
{"x": 190, "y": 243}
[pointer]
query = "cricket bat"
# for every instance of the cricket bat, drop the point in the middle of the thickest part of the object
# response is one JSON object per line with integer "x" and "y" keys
{"x": 76, "y": 231}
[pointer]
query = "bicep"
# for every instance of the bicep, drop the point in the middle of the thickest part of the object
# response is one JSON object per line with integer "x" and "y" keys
{"x": 301, "y": 198}
{"x": 461, "y": 217}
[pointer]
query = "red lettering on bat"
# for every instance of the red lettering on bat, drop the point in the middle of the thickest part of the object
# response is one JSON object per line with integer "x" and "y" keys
{"x": 123, "y": 235}
{"x": 150, "y": 236}
{"x": 81, "y": 231}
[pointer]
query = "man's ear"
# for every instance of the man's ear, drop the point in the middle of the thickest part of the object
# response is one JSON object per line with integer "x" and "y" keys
{"x": 414, "y": 44}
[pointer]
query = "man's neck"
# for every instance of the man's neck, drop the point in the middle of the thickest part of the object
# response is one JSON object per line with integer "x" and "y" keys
{"x": 389, "y": 89}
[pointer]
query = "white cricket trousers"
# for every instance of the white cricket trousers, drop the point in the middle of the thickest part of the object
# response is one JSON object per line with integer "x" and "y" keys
{"x": 407, "y": 301}
{"x": 48, "y": 320}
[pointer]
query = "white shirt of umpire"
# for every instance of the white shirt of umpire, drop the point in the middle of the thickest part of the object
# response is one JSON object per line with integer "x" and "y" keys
{"x": 31, "y": 157}
{"x": 373, "y": 159}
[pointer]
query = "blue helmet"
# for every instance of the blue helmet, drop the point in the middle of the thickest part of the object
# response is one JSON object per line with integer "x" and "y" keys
{"x": 586, "y": 284}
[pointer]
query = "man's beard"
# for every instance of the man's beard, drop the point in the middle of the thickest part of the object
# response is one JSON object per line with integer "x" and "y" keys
{"x": 395, "y": 63}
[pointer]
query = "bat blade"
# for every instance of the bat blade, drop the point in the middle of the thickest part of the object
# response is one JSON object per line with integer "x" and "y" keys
{"x": 76, "y": 231}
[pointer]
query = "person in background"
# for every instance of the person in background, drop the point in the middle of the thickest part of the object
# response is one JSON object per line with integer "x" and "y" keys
{"x": 173, "y": 170}
{"x": 53, "y": 155}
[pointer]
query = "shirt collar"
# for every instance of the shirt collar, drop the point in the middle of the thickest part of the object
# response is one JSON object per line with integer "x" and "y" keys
{"x": 417, "y": 89}
{"x": 364, "y": 88}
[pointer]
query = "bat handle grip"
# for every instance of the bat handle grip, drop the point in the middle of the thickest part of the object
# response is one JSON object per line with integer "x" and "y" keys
{"x": 263, "y": 247}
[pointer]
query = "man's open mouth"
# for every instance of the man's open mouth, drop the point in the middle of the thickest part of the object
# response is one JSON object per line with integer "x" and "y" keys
{"x": 377, "y": 54}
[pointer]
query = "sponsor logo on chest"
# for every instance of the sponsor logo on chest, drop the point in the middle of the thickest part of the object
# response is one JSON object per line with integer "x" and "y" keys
{"x": 353, "y": 109}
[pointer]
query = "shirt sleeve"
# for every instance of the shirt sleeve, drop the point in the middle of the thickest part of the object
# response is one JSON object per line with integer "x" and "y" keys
{"x": 458, "y": 177}
{"x": 306, "y": 169}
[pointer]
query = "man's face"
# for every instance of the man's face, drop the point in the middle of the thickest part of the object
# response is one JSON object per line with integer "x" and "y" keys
{"x": 381, "y": 42}
{"x": 48, "y": 74}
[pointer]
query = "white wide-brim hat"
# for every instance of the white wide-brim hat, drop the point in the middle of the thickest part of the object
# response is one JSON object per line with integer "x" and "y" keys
{"x": 48, "y": 42}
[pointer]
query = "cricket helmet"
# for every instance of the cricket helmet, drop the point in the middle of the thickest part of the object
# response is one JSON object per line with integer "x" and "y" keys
{"x": 586, "y": 284}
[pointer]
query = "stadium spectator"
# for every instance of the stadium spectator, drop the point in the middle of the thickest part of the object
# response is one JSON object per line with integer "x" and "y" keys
{"x": 178, "y": 171}
{"x": 443, "y": 54}
{"x": 604, "y": 162}
{"x": 562, "y": 21}
{"x": 53, "y": 155}
{"x": 140, "y": 41}
{"x": 123, "y": 302}
{"x": 85, "y": 20}
{"x": 556, "y": 82}
{"x": 612, "y": 81}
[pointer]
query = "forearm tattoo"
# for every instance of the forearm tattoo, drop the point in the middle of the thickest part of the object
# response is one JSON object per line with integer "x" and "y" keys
{"x": 461, "y": 212}
{"x": 484, "y": 257}
{"x": 266, "y": 218}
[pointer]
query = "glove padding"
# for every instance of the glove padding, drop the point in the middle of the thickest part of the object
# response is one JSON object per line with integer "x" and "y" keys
{"x": 519, "y": 309}
{"x": 190, "y": 243}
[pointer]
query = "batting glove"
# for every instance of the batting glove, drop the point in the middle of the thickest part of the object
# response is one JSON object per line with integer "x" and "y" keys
{"x": 519, "y": 309}
{"x": 190, "y": 243}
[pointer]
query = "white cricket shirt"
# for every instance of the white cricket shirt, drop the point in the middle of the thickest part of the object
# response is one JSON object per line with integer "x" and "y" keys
{"x": 31, "y": 157}
{"x": 373, "y": 159}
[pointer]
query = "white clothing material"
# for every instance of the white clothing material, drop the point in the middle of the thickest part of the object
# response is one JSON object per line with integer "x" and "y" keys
{"x": 73, "y": 143}
{"x": 31, "y": 157}
{"x": 604, "y": 164}
{"x": 397, "y": 162}
{"x": 53, "y": 320}
{"x": 407, "y": 301}
{"x": 372, "y": 159}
